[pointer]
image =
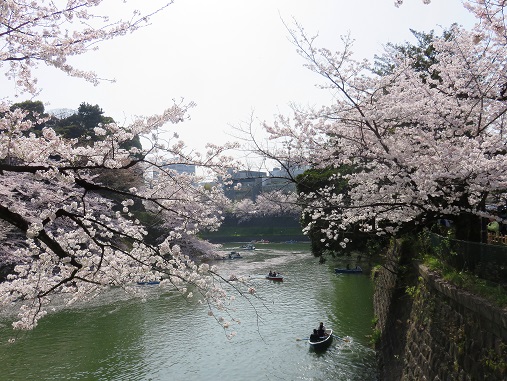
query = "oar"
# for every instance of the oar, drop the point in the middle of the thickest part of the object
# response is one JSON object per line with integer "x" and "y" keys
{"x": 306, "y": 338}
{"x": 339, "y": 338}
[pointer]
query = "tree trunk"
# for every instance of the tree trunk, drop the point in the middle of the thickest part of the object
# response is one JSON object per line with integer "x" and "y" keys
{"x": 468, "y": 228}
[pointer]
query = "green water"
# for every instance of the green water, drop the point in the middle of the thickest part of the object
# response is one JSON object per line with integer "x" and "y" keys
{"x": 168, "y": 338}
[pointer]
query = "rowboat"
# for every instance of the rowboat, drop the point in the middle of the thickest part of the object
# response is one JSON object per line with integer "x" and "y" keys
{"x": 148, "y": 283}
{"x": 356, "y": 270}
{"x": 232, "y": 255}
{"x": 320, "y": 343}
{"x": 276, "y": 278}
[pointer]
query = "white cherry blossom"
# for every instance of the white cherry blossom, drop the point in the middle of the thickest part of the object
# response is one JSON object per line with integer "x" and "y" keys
{"x": 67, "y": 234}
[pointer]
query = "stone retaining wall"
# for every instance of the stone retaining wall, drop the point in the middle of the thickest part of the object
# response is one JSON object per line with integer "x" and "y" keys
{"x": 428, "y": 329}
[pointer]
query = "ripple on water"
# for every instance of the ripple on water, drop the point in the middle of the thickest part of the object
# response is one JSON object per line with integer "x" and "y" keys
{"x": 168, "y": 338}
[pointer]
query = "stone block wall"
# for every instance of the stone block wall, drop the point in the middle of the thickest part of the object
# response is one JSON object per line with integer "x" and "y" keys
{"x": 430, "y": 330}
{"x": 392, "y": 311}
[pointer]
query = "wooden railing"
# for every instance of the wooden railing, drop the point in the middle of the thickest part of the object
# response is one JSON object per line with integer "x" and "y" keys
{"x": 486, "y": 260}
{"x": 497, "y": 238}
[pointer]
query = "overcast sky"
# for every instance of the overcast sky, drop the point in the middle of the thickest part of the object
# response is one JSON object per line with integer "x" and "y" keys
{"x": 233, "y": 57}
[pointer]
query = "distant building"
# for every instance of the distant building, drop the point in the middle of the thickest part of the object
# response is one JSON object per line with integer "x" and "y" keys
{"x": 245, "y": 184}
{"x": 254, "y": 183}
{"x": 153, "y": 172}
{"x": 280, "y": 179}
{"x": 181, "y": 168}
{"x": 251, "y": 185}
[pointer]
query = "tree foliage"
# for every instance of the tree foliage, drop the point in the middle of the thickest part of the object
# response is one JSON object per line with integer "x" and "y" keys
{"x": 424, "y": 147}
{"x": 423, "y": 55}
{"x": 308, "y": 183}
{"x": 70, "y": 188}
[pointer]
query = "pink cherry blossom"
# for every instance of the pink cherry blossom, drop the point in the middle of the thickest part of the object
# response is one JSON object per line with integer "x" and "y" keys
{"x": 67, "y": 234}
{"x": 423, "y": 147}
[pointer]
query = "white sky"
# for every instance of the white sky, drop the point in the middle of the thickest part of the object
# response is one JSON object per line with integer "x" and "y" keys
{"x": 233, "y": 57}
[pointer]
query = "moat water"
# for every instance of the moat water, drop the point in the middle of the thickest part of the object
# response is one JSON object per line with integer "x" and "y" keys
{"x": 166, "y": 337}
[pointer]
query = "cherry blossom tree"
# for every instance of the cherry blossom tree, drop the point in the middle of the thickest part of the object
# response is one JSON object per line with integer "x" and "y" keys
{"x": 422, "y": 145}
{"x": 76, "y": 233}
{"x": 49, "y": 32}
{"x": 267, "y": 204}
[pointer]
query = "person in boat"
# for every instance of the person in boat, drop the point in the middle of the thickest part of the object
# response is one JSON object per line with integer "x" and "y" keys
{"x": 270, "y": 273}
{"x": 314, "y": 336}
{"x": 322, "y": 330}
